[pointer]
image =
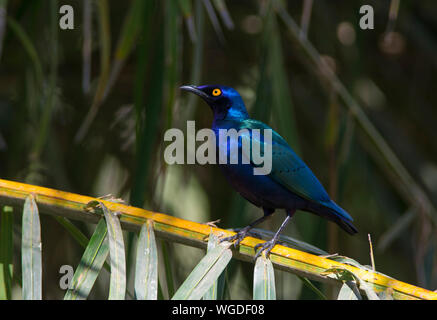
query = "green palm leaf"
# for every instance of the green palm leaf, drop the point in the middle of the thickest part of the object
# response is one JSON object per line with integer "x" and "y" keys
{"x": 117, "y": 287}
{"x": 349, "y": 291}
{"x": 217, "y": 289}
{"x": 6, "y": 252}
{"x": 205, "y": 273}
{"x": 264, "y": 280}
{"x": 90, "y": 265}
{"x": 31, "y": 251}
{"x": 146, "y": 271}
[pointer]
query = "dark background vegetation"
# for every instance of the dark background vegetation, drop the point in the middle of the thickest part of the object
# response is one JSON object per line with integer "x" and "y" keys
{"x": 46, "y": 97}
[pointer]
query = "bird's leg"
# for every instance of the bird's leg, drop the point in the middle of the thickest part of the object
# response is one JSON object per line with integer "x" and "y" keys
{"x": 240, "y": 235}
{"x": 268, "y": 245}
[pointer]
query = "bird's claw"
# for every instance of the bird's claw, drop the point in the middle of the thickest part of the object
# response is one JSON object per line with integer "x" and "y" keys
{"x": 266, "y": 247}
{"x": 238, "y": 237}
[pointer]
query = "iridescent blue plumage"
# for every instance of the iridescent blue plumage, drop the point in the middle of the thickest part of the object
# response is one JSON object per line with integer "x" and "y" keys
{"x": 291, "y": 185}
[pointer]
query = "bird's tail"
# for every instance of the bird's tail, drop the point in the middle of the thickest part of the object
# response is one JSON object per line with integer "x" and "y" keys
{"x": 347, "y": 226}
{"x": 335, "y": 213}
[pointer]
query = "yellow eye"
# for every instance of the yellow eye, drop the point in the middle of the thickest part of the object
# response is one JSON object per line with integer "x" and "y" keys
{"x": 216, "y": 92}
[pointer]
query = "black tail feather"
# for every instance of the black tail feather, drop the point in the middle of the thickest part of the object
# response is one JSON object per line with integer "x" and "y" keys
{"x": 347, "y": 226}
{"x": 332, "y": 215}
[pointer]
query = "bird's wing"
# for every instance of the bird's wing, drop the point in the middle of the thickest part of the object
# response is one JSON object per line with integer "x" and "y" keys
{"x": 287, "y": 168}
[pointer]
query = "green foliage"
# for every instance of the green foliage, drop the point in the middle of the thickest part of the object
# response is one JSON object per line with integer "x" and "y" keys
{"x": 348, "y": 276}
{"x": 90, "y": 265}
{"x": 349, "y": 291}
{"x": 6, "y": 252}
{"x": 264, "y": 280}
{"x": 31, "y": 251}
{"x": 216, "y": 291}
{"x": 207, "y": 279}
{"x": 146, "y": 265}
{"x": 205, "y": 274}
{"x": 117, "y": 287}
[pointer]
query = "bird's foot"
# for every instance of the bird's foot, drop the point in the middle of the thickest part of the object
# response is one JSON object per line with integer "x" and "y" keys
{"x": 238, "y": 237}
{"x": 266, "y": 247}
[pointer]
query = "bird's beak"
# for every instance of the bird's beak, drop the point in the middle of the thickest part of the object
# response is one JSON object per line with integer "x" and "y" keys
{"x": 196, "y": 91}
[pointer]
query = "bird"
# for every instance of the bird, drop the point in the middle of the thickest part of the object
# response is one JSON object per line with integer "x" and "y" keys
{"x": 290, "y": 185}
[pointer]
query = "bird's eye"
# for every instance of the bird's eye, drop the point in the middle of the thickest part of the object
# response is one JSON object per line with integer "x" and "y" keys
{"x": 216, "y": 92}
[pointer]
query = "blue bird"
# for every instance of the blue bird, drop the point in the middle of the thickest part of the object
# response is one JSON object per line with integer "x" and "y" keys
{"x": 290, "y": 185}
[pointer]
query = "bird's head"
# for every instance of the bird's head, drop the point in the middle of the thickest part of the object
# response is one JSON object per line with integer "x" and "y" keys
{"x": 225, "y": 102}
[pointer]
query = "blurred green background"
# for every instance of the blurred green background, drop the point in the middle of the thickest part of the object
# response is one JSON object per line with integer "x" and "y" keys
{"x": 85, "y": 111}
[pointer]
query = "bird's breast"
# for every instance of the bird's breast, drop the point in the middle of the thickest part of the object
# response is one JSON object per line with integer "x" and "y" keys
{"x": 261, "y": 190}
